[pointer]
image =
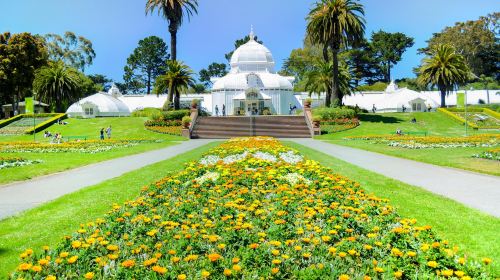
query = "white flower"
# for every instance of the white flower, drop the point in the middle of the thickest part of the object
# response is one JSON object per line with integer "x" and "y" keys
{"x": 209, "y": 160}
{"x": 265, "y": 156}
{"x": 235, "y": 158}
{"x": 209, "y": 176}
{"x": 291, "y": 158}
{"x": 295, "y": 178}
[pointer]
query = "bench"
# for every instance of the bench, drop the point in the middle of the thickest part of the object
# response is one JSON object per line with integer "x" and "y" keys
{"x": 415, "y": 133}
{"x": 69, "y": 138}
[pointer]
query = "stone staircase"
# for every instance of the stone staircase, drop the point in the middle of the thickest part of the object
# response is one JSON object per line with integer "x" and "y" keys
{"x": 274, "y": 126}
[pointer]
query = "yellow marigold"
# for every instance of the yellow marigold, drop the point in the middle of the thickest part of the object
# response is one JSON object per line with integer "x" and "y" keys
{"x": 236, "y": 260}
{"x": 461, "y": 260}
{"x": 297, "y": 248}
{"x": 150, "y": 261}
{"x": 459, "y": 273}
{"x": 432, "y": 264}
{"x": 366, "y": 277}
{"x": 236, "y": 267}
{"x": 214, "y": 257}
{"x": 51, "y": 277}
{"x": 175, "y": 259}
{"x": 306, "y": 255}
{"x": 447, "y": 273}
{"x": 368, "y": 247}
{"x": 112, "y": 248}
{"x": 276, "y": 261}
{"x": 326, "y": 238}
{"x": 227, "y": 272}
{"x": 63, "y": 254}
{"x": 72, "y": 259}
{"x": 486, "y": 261}
{"x": 76, "y": 244}
{"x": 43, "y": 262}
{"x": 128, "y": 263}
{"x": 88, "y": 275}
{"x": 332, "y": 250}
{"x": 275, "y": 270}
{"x": 45, "y": 248}
{"x": 221, "y": 246}
{"x": 411, "y": 254}
{"x": 36, "y": 268}
{"x": 159, "y": 269}
{"x": 275, "y": 252}
{"x": 352, "y": 252}
{"x": 378, "y": 269}
{"x": 398, "y": 274}
{"x": 342, "y": 254}
{"x": 205, "y": 274}
{"x": 344, "y": 277}
{"x": 181, "y": 276}
{"x": 112, "y": 256}
{"x": 253, "y": 246}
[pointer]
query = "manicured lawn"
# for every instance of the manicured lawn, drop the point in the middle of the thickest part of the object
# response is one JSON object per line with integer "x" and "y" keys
{"x": 434, "y": 123}
{"x": 47, "y": 224}
{"x": 475, "y": 233}
{"x": 122, "y": 128}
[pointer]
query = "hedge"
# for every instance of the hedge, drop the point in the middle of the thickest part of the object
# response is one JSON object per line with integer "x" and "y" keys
{"x": 334, "y": 113}
{"x": 10, "y": 120}
{"x": 46, "y": 123}
{"x": 491, "y": 113}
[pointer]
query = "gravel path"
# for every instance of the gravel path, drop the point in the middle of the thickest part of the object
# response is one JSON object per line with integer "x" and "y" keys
{"x": 479, "y": 191}
{"x": 21, "y": 196}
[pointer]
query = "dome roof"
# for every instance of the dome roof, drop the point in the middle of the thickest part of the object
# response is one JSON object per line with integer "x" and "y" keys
{"x": 252, "y": 57}
{"x": 104, "y": 102}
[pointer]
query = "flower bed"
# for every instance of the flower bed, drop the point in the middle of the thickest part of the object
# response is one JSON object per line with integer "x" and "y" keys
{"x": 249, "y": 209}
{"x": 90, "y": 146}
{"x": 171, "y": 130}
{"x": 7, "y": 162}
{"x": 424, "y": 142}
{"x": 491, "y": 154}
{"x": 338, "y": 125}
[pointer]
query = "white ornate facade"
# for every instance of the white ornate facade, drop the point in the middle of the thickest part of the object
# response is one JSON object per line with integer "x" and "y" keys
{"x": 252, "y": 87}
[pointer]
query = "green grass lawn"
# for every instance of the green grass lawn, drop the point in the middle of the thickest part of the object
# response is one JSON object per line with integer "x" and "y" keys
{"x": 122, "y": 128}
{"x": 63, "y": 216}
{"x": 475, "y": 233}
{"x": 434, "y": 123}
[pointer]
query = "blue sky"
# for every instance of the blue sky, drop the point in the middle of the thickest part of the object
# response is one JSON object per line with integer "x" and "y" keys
{"x": 115, "y": 26}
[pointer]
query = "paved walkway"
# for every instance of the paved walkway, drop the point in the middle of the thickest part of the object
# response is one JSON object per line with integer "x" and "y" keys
{"x": 475, "y": 190}
{"x": 21, "y": 196}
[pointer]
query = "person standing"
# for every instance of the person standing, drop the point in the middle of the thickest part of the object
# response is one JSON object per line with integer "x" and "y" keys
{"x": 216, "y": 110}
{"x": 102, "y": 134}
{"x": 108, "y": 132}
{"x": 374, "y": 109}
{"x": 223, "y": 110}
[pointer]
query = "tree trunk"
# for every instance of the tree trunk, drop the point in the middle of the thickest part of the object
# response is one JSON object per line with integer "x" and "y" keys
{"x": 149, "y": 82}
{"x": 388, "y": 71}
{"x": 443, "y": 95}
{"x": 173, "y": 40}
{"x": 326, "y": 57}
{"x": 177, "y": 101}
{"x": 170, "y": 94}
{"x": 335, "y": 80}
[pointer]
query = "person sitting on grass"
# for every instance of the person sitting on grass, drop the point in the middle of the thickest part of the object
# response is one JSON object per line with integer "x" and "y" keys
{"x": 414, "y": 120}
{"x": 399, "y": 132}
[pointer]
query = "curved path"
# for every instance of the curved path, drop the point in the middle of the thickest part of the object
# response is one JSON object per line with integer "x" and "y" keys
{"x": 479, "y": 191}
{"x": 21, "y": 196}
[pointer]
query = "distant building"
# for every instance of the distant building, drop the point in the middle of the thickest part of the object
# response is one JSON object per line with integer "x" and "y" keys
{"x": 101, "y": 104}
{"x": 40, "y": 107}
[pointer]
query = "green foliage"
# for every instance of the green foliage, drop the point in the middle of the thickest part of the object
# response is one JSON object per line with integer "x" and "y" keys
{"x": 443, "y": 68}
{"x": 146, "y": 112}
{"x": 47, "y": 123}
{"x": 146, "y": 62}
{"x": 57, "y": 83}
{"x": 101, "y": 82}
{"x": 326, "y": 114}
{"x": 214, "y": 70}
{"x": 177, "y": 79}
{"x": 476, "y": 40}
{"x": 74, "y": 51}
{"x": 20, "y": 56}
{"x": 378, "y": 86}
{"x": 388, "y": 48}
{"x": 410, "y": 83}
{"x": 319, "y": 79}
{"x": 364, "y": 64}
{"x": 197, "y": 88}
{"x": 175, "y": 115}
{"x": 186, "y": 120}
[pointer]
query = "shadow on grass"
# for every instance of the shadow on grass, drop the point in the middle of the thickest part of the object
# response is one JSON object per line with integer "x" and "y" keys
{"x": 378, "y": 119}
{"x": 4, "y": 251}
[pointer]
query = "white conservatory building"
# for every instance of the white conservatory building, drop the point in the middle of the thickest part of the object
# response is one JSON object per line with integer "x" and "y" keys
{"x": 101, "y": 104}
{"x": 252, "y": 87}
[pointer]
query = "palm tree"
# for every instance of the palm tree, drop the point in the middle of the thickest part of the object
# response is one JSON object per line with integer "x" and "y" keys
{"x": 320, "y": 79}
{"x": 177, "y": 79}
{"x": 57, "y": 83}
{"x": 337, "y": 24}
{"x": 173, "y": 11}
{"x": 444, "y": 68}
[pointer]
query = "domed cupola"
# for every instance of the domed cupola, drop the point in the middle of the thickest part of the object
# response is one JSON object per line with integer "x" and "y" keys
{"x": 252, "y": 57}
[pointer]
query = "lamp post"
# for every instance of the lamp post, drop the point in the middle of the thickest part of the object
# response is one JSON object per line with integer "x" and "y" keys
{"x": 34, "y": 111}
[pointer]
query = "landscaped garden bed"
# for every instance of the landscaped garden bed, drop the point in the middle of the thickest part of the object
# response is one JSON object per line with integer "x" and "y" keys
{"x": 490, "y": 154}
{"x": 8, "y": 162}
{"x": 25, "y": 123}
{"x": 252, "y": 208}
{"x": 477, "y": 118}
{"x": 90, "y": 146}
{"x": 424, "y": 142}
{"x": 169, "y": 122}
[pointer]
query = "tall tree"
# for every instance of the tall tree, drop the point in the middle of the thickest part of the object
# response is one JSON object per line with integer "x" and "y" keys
{"x": 238, "y": 43}
{"x": 173, "y": 11}
{"x": 101, "y": 82}
{"x": 20, "y": 56}
{"x": 214, "y": 70}
{"x": 75, "y": 51}
{"x": 364, "y": 65}
{"x": 444, "y": 68}
{"x": 147, "y": 61}
{"x": 336, "y": 24}
{"x": 57, "y": 84}
{"x": 388, "y": 48}
{"x": 319, "y": 79}
{"x": 477, "y": 40}
{"x": 177, "y": 79}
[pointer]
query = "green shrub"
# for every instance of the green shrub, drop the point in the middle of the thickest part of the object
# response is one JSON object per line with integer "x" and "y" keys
{"x": 334, "y": 113}
{"x": 146, "y": 112}
{"x": 175, "y": 115}
{"x": 378, "y": 86}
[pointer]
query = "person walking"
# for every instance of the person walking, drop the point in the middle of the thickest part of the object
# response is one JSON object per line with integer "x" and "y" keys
{"x": 223, "y": 110}
{"x": 216, "y": 110}
{"x": 108, "y": 132}
{"x": 102, "y": 134}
